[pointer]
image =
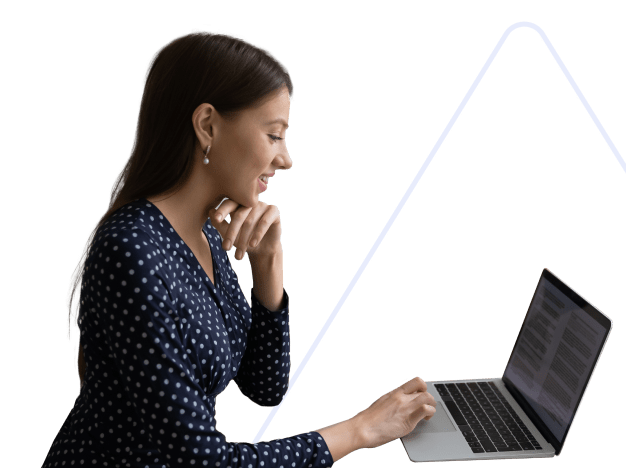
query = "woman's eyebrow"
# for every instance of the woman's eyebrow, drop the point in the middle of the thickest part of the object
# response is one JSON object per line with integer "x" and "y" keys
{"x": 285, "y": 124}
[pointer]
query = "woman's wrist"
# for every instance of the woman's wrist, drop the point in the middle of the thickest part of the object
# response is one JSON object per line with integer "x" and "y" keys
{"x": 343, "y": 438}
{"x": 267, "y": 279}
{"x": 360, "y": 431}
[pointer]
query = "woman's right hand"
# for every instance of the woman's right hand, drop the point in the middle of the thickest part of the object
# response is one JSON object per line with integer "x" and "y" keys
{"x": 395, "y": 414}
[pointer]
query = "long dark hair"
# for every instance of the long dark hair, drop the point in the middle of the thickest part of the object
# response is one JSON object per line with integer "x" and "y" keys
{"x": 221, "y": 70}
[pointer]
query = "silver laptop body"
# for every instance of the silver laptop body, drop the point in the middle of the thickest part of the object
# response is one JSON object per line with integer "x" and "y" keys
{"x": 528, "y": 412}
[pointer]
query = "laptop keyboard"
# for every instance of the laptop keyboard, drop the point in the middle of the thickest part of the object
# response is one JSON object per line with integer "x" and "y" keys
{"x": 488, "y": 422}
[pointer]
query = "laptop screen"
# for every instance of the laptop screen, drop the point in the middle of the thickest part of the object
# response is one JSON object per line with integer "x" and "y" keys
{"x": 559, "y": 343}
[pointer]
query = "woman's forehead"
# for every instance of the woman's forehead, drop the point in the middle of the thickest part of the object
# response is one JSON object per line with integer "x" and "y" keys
{"x": 274, "y": 111}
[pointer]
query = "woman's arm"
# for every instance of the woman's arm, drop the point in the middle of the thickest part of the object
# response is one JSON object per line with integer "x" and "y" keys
{"x": 267, "y": 273}
{"x": 267, "y": 279}
{"x": 342, "y": 438}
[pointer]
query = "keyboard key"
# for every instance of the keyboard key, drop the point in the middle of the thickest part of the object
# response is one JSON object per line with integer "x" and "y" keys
{"x": 488, "y": 446}
{"x": 474, "y": 444}
{"x": 456, "y": 413}
{"x": 478, "y": 450}
{"x": 526, "y": 446}
{"x": 520, "y": 436}
{"x": 508, "y": 448}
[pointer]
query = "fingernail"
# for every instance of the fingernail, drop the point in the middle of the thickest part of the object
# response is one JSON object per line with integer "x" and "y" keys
{"x": 227, "y": 246}
{"x": 219, "y": 217}
{"x": 254, "y": 243}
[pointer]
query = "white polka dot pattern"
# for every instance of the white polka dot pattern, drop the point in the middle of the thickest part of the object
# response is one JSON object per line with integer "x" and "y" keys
{"x": 160, "y": 343}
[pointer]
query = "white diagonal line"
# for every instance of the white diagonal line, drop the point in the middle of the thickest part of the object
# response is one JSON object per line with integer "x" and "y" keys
{"x": 409, "y": 191}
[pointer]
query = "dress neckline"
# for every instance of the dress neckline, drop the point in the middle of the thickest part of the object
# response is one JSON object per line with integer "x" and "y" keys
{"x": 195, "y": 259}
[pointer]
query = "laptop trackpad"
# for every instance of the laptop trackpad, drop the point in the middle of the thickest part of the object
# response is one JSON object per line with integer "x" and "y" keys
{"x": 440, "y": 422}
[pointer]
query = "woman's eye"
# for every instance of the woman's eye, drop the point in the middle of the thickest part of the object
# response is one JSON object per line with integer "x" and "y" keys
{"x": 274, "y": 137}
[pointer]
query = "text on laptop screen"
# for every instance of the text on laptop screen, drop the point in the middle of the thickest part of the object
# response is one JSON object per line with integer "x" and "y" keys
{"x": 556, "y": 350}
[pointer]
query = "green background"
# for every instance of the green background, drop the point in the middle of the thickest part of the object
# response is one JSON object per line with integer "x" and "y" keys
{"x": 523, "y": 181}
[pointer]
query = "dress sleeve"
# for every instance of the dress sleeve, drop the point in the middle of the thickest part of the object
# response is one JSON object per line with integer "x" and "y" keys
{"x": 134, "y": 305}
{"x": 264, "y": 372}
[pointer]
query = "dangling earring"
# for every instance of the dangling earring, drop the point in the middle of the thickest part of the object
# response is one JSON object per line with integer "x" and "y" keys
{"x": 206, "y": 159}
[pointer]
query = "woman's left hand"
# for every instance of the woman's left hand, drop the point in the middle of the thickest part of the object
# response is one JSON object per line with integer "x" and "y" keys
{"x": 254, "y": 230}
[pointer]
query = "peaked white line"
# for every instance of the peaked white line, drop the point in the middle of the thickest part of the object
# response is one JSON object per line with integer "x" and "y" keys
{"x": 409, "y": 191}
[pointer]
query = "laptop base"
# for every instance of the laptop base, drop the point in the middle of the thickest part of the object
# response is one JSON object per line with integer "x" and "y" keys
{"x": 441, "y": 440}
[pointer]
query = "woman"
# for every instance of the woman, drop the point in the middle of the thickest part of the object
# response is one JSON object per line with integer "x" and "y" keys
{"x": 164, "y": 325}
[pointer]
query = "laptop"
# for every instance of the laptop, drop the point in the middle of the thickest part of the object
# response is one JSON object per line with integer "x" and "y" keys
{"x": 528, "y": 412}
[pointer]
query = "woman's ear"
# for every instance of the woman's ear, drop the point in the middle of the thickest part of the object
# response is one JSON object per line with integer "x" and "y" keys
{"x": 205, "y": 119}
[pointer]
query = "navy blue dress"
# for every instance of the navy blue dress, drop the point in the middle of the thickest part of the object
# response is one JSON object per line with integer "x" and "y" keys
{"x": 161, "y": 341}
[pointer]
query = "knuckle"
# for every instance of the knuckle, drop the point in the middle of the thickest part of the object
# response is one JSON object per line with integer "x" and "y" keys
{"x": 396, "y": 396}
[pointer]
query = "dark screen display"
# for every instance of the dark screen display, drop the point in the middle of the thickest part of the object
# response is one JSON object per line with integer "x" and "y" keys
{"x": 554, "y": 355}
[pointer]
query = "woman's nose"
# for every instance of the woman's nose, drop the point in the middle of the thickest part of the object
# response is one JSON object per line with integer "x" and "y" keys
{"x": 283, "y": 161}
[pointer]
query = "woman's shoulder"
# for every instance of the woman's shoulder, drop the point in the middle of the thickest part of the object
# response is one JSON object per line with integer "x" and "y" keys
{"x": 136, "y": 224}
{"x": 136, "y": 218}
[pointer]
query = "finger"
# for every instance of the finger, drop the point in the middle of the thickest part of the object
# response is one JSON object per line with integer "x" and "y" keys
{"x": 236, "y": 220}
{"x": 425, "y": 411}
{"x": 427, "y": 398}
{"x": 269, "y": 217}
{"x": 414, "y": 385}
{"x": 249, "y": 228}
{"x": 226, "y": 208}
{"x": 423, "y": 398}
{"x": 221, "y": 226}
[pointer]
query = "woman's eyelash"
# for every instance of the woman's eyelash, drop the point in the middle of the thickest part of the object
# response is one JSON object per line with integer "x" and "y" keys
{"x": 274, "y": 137}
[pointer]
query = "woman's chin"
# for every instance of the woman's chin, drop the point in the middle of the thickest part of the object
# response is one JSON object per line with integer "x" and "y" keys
{"x": 248, "y": 202}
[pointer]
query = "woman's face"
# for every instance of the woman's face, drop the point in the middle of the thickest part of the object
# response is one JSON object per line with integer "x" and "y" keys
{"x": 249, "y": 147}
